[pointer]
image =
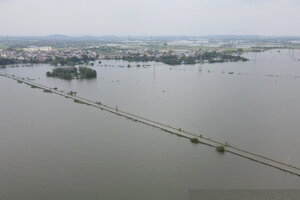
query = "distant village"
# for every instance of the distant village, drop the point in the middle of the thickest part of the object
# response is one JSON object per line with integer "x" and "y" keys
{"x": 74, "y": 56}
{"x": 42, "y": 54}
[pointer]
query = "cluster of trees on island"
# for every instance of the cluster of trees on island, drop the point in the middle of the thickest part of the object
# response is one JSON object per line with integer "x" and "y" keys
{"x": 69, "y": 73}
{"x": 210, "y": 57}
{"x": 6, "y": 61}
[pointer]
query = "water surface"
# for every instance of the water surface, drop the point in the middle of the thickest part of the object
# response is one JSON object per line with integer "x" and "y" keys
{"x": 52, "y": 148}
{"x": 255, "y": 108}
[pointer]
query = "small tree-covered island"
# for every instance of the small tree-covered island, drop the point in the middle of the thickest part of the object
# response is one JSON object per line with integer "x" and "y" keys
{"x": 198, "y": 57}
{"x": 69, "y": 73}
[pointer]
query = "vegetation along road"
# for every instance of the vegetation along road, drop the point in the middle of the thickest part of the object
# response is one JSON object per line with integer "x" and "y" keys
{"x": 193, "y": 137}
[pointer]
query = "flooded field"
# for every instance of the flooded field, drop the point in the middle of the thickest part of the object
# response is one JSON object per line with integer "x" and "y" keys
{"x": 52, "y": 148}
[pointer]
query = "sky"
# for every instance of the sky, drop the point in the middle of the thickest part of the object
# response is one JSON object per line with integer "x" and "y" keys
{"x": 149, "y": 17}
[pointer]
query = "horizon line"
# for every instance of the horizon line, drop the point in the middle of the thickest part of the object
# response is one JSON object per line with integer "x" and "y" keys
{"x": 162, "y": 35}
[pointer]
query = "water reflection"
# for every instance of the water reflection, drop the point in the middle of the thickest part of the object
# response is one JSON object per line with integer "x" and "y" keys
{"x": 253, "y": 105}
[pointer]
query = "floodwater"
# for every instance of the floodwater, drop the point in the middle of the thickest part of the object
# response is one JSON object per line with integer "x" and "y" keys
{"x": 52, "y": 148}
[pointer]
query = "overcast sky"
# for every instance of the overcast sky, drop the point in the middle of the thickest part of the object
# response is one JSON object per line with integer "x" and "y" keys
{"x": 149, "y": 17}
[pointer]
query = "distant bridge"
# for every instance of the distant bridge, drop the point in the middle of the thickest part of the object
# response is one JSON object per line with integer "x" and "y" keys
{"x": 177, "y": 131}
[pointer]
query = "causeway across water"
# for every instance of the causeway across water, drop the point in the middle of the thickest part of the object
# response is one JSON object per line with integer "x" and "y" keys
{"x": 171, "y": 129}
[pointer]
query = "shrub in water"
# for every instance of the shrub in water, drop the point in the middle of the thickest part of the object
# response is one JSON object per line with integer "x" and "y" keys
{"x": 195, "y": 140}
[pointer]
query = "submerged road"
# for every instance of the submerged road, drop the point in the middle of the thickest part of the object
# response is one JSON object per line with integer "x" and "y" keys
{"x": 170, "y": 129}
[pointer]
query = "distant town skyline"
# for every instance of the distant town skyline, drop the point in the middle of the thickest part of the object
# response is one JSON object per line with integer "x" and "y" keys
{"x": 145, "y": 17}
